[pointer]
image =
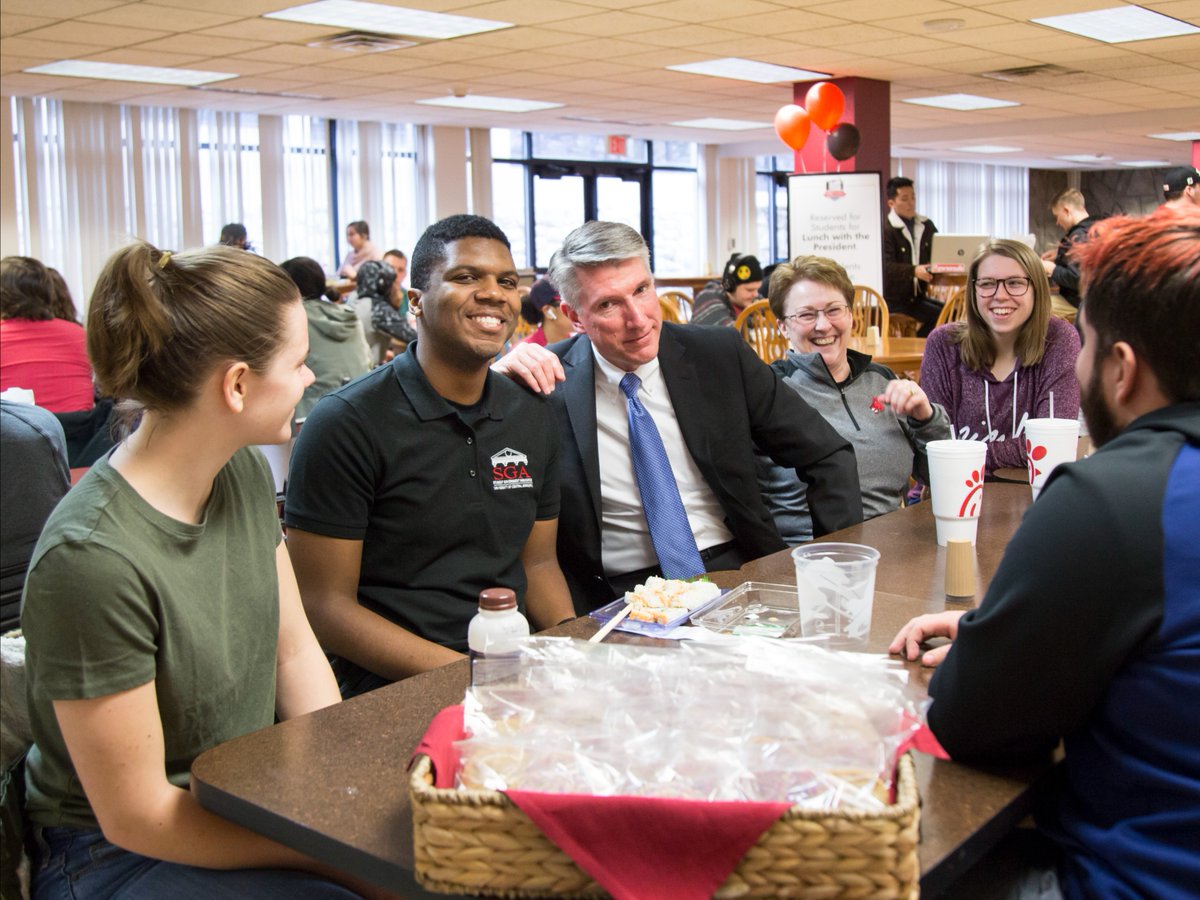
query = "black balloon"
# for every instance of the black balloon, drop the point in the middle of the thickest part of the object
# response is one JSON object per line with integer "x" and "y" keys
{"x": 843, "y": 141}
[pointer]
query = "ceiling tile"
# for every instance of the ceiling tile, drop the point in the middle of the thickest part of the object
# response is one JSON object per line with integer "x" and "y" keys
{"x": 162, "y": 18}
{"x": 14, "y": 24}
{"x": 272, "y": 31}
{"x": 522, "y": 12}
{"x": 91, "y": 33}
{"x": 59, "y": 9}
{"x": 205, "y": 44}
{"x": 873, "y": 10}
{"x": 705, "y": 10}
{"x": 27, "y": 46}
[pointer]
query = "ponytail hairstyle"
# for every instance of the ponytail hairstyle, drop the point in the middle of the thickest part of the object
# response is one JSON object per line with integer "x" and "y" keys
{"x": 159, "y": 323}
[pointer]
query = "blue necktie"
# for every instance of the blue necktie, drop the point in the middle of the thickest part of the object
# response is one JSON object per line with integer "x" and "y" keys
{"x": 670, "y": 532}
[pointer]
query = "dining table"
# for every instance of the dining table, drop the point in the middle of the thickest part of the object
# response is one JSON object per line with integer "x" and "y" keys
{"x": 334, "y": 784}
{"x": 902, "y": 355}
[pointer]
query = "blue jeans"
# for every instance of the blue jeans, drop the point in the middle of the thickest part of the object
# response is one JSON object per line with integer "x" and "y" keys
{"x": 76, "y": 863}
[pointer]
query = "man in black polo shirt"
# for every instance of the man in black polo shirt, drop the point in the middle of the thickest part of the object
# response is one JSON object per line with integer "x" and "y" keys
{"x": 428, "y": 479}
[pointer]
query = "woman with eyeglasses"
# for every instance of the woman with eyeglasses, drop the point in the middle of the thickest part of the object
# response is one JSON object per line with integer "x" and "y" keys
{"x": 1001, "y": 366}
{"x": 887, "y": 419}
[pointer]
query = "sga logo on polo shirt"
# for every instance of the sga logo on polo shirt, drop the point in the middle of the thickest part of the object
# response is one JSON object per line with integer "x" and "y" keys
{"x": 510, "y": 469}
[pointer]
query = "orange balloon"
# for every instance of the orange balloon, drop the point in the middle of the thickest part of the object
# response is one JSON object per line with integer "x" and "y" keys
{"x": 825, "y": 103}
{"x": 792, "y": 125}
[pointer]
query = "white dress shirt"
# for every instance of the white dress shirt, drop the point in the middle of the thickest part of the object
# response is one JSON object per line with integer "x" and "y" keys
{"x": 625, "y": 537}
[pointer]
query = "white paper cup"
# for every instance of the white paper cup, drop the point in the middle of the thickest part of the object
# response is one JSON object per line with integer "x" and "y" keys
{"x": 1049, "y": 442}
{"x": 956, "y": 470}
{"x": 835, "y": 586}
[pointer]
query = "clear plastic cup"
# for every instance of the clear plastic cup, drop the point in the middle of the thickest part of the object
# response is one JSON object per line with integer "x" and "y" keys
{"x": 956, "y": 470}
{"x": 835, "y": 587}
{"x": 1049, "y": 443}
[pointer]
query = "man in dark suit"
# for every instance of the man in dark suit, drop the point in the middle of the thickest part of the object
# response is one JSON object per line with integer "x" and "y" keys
{"x": 711, "y": 401}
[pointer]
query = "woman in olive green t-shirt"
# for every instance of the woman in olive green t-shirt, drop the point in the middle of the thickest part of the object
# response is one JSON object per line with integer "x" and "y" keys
{"x": 161, "y": 612}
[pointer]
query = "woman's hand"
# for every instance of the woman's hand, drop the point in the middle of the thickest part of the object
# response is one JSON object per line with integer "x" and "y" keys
{"x": 907, "y": 399}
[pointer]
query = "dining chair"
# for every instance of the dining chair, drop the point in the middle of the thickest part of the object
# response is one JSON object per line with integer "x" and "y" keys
{"x": 869, "y": 309}
{"x": 680, "y": 302}
{"x": 760, "y": 329}
{"x": 522, "y": 331}
{"x": 670, "y": 312}
{"x": 955, "y": 308}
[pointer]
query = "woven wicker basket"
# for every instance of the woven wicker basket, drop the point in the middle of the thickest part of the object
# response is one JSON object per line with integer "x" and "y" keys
{"x": 479, "y": 842}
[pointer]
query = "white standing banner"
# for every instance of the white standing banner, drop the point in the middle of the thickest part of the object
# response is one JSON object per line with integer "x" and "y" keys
{"x": 837, "y": 214}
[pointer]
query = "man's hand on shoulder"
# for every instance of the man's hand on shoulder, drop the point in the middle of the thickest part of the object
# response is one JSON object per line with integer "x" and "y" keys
{"x": 533, "y": 366}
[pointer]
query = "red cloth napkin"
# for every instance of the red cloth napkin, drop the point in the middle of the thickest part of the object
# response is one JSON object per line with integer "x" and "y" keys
{"x": 922, "y": 740}
{"x": 438, "y": 745}
{"x": 638, "y": 847}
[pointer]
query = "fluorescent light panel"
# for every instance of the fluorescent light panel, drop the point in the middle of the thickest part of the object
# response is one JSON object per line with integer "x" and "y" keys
{"x": 987, "y": 148}
{"x": 1145, "y": 164}
{"x": 1119, "y": 24}
{"x": 722, "y": 124}
{"x": 386, "y": 19}
{"x": 495, "y": 104}
{"x": 83, "y": 68}
{"x": 1177, "y": 136}
{"x": 961, "y": 102}
{"x": 747, "y": 70}
{"x": 1083, "y": 158}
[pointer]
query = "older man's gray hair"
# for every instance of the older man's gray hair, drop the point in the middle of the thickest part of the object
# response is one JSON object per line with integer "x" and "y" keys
{"x": 593, "y": 244}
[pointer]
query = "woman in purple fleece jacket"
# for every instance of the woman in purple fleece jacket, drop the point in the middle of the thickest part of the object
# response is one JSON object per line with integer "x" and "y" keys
{"x": 1000, "y": 366}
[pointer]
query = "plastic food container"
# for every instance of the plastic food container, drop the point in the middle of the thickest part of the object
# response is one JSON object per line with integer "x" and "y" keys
{"x": 754, "y": 608}
{"x": 654, "y": 629}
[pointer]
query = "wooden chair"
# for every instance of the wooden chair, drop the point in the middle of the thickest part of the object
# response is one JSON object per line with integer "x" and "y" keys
{"x": 670, "y": 312}
{"x": 522, "y": 331}
{"x": 681, "y": 305}
{"x": 955, "y": 308}
{"x": 868, "y": 309}
{"x": 760, "y": 329}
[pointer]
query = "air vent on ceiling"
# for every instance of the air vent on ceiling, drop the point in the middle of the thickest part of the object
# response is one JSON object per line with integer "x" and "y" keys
{"x": 362, "y": 42}
{"x": 287, "y": 95}
{"x": 1043, "y": 72}
{"x": 595, "y": 120}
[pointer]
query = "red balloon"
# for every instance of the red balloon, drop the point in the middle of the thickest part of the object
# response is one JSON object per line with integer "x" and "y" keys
{"x": 825, "y": 103}
{"x": 792, "y": 125}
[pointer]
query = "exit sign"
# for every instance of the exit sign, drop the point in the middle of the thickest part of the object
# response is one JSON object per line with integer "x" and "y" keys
{"x": 616, "y": 145}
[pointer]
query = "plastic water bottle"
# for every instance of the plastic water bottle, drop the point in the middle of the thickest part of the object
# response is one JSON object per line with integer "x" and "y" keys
{"x": 494, "y": 634}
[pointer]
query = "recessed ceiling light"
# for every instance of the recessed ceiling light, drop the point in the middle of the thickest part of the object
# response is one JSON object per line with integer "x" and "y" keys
{"x": 1119, "y": 24}
{"x": 987, "y": 148}
{"x": 495, "y": 104}
{"x": 386, "y": 19}
{"x": 1177, "y": 136}
{"x": 83, "y": 68}
{"x": 1084, "y": 157}
{"x": 1145, "y": 163}
{"x": 722, "y": 124}
{"x": 961, "y": 101}
{"x": 748, "y": 70}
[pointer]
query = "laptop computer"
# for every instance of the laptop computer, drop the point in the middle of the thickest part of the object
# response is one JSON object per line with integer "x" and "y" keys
{"x": 955, "y": 249}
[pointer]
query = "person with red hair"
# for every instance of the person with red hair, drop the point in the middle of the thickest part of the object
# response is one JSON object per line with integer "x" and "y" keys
{"x": 1090, "y": 630}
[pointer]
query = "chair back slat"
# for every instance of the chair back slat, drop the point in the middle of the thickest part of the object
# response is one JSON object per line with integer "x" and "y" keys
{"x": 760, "y": 329}
{"x": 868, "y": 309}
{"x": 955, "y": 308}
